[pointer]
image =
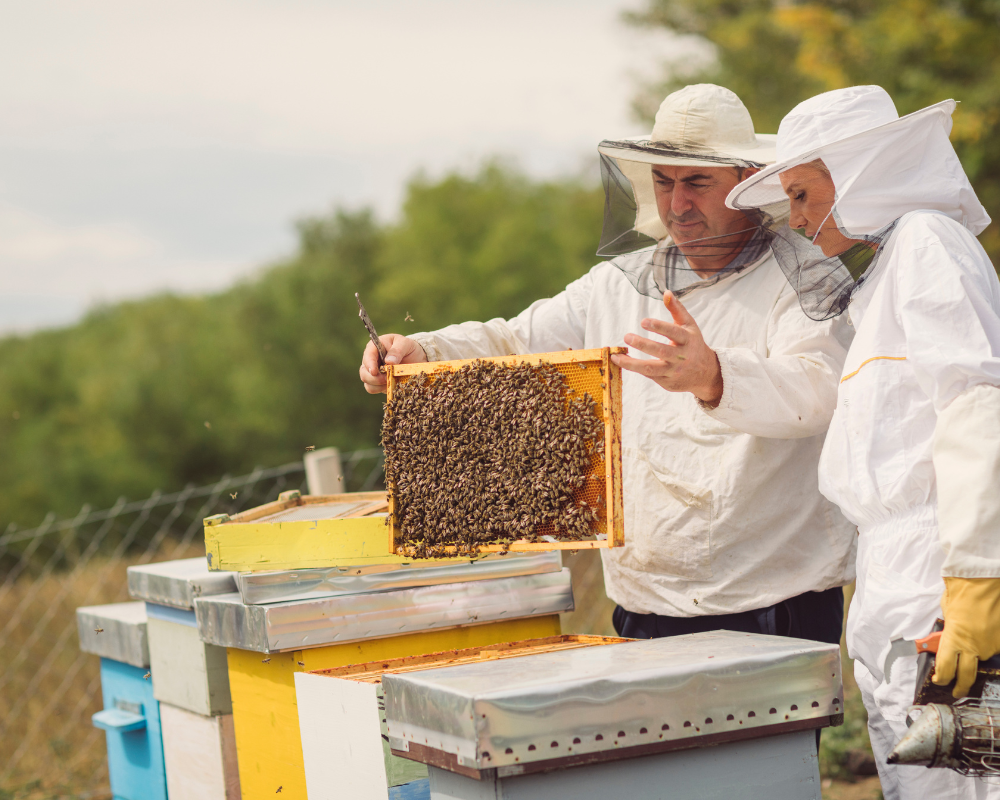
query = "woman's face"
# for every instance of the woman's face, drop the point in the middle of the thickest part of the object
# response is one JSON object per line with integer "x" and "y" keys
{"x": 811, "y": 192}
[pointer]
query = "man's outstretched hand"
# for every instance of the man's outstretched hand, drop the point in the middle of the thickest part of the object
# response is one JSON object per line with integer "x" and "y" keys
{"x": 399, "y": 350}
{"x": 684, "y": 363}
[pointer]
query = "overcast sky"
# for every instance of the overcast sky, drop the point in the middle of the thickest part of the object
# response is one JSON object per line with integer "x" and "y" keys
{"x": 172, "y": 145}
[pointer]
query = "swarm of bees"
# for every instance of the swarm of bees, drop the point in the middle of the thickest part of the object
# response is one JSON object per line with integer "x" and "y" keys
{"x": 489, "y": 454}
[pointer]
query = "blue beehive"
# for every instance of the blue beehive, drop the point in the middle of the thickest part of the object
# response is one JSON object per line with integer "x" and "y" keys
{"x": 131, "y": 715}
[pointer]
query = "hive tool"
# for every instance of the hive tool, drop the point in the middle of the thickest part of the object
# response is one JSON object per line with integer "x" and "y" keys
{"x": 909, "y": 647}
{"x": 371, "y": 331}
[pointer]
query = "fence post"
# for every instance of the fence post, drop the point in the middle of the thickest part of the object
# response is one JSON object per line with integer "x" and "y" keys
{"x": 324, "y": 472}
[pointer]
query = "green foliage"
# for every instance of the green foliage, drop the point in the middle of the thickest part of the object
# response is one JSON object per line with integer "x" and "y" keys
{"x": 118, "y": 404}
{"x": 774, "y": 54}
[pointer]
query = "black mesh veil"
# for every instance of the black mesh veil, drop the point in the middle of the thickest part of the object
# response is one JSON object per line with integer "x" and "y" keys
{"x": 824, "y": 284}
{"x": 638, "y": 243}
{"x": 632, "y": 226}
{"x": 619, "y": 234}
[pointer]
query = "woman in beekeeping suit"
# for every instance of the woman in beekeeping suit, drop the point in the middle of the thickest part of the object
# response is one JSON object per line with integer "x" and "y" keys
{"x": 887, "y": 222}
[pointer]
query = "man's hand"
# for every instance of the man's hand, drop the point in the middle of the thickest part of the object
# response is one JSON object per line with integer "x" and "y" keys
{"x": 399, "y": 350}
{"x": 684, "y": 363}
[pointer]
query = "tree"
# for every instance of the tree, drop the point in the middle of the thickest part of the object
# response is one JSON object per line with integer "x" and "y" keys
{"x": 776, "y": 53}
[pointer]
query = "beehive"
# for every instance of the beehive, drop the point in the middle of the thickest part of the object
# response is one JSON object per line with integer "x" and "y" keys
{"x": 344, "y": 734}
{"x": 587, "y": 372}
{"x": 296, "y": 532}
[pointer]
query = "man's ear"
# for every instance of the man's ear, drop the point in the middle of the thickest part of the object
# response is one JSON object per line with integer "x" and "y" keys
{"x": 750, "y": 171}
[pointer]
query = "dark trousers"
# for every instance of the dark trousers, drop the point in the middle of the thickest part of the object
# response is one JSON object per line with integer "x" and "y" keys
{"x": 814, "y": 615}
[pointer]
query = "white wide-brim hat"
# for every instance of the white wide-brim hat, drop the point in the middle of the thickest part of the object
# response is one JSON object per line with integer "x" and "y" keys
{"x": 882, "y": 165}
{"x": 701, "y": 125}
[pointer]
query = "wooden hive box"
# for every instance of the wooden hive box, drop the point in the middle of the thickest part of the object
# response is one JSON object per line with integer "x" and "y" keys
{"x": 300, "y": 532}
{"x": 587, "y": 372}
{"x": 342, "y": 721}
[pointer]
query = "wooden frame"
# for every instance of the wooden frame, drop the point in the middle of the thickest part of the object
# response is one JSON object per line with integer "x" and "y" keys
{"x": 372, "y": 671}
{"x": 611, "y": 405}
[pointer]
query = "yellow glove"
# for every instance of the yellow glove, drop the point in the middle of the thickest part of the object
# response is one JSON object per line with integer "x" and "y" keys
{"x": 971, "y": 630}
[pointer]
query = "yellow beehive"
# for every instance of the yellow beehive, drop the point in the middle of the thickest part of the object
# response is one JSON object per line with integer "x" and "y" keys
{"x": 265, "y": 710}
{"x": 296, "y": 532}
{"x": 587, "y": 372}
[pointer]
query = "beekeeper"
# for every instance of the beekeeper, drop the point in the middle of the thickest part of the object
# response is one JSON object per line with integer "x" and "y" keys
{"x": 913, "y": 452}
{"x": 726, "y": 397}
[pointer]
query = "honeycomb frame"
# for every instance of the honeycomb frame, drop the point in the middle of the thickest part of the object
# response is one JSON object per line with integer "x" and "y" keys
{"x": 586, "y": 371}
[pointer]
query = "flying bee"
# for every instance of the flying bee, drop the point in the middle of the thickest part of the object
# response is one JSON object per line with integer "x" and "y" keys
{"x": 233, "y": 495}
{"x": 147, "y": 676}
{"x": 266, "y": 660}
{"x": 310, "y": 447}
{"x": 98, "y": 630}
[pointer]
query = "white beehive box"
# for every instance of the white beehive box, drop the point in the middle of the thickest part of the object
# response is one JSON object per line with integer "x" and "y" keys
{"x": 200, "y": 755}
{"x": 190, "y": 674}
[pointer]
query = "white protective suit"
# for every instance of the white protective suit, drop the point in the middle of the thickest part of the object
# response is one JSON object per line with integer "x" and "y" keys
{"x": 913, "y": 452}
{"x": 927, "y": 347}
{"x": 722, "y": 510}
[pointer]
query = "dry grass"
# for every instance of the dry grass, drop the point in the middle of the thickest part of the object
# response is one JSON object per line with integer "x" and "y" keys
{"x": 48, "y": 688}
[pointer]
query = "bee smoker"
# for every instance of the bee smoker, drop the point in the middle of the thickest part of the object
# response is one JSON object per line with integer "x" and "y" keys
{"x": 962, "y": 735}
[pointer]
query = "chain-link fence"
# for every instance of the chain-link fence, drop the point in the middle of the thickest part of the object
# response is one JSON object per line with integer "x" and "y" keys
{"x": 48, "y": 688}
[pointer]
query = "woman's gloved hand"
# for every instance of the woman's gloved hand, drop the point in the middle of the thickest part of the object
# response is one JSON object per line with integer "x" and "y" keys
{"x": 971, "y": 630}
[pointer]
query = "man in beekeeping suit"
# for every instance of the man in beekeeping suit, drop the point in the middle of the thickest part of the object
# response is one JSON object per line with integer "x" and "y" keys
{"x": 728, "y": 387}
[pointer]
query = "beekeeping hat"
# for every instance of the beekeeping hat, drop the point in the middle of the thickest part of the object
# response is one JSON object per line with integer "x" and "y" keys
{"x": 701, "y": 125}
{"x": 882, "y": 166}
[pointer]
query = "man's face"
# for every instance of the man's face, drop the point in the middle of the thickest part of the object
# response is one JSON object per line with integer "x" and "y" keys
{"x": 692, "y": 203}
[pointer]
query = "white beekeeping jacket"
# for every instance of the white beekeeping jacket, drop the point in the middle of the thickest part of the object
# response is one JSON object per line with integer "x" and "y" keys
{"x": 722, "y": 508}
{"x": 928, "y": 334}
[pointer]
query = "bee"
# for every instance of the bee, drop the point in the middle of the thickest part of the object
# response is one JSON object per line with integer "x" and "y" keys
{"x": 408, "y": 318}
{"x": 278, "y": 790}
{"x": 301, "y": 663}
{"x": 233, "y": 495}
{"x": 266, "y": 660}
{"x": 208, "y": 425}
{"x": 147, "y": 676}
{"x": 310, "y": 447}
{"x": 98, "y": 630}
